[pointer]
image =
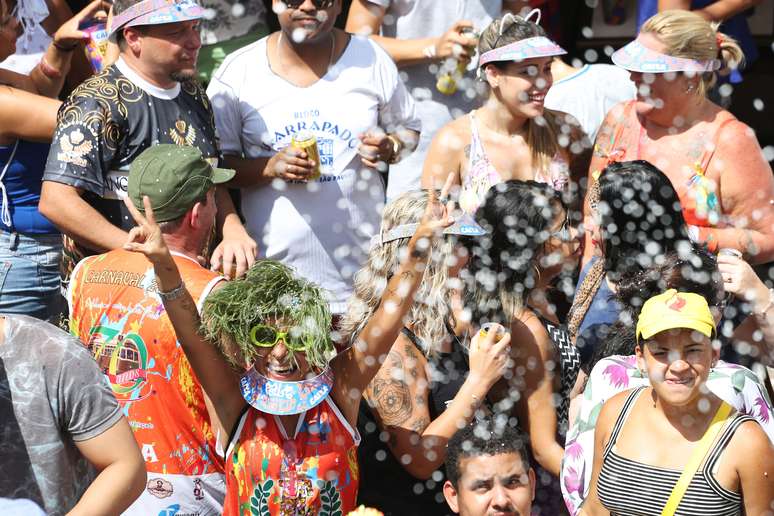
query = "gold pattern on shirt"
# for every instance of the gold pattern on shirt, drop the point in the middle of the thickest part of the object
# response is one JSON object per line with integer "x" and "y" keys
{"x": 182, "y": 133}
{"x": 74, "y": 146}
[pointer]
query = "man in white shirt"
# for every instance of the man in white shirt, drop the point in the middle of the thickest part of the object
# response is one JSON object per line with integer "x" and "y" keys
{"x": 345, "y": 91}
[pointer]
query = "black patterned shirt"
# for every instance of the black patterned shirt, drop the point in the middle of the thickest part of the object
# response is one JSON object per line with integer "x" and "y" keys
{"x": 107, "y": 122}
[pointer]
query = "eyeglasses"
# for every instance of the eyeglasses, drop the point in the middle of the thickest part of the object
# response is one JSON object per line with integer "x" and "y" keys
{"x": 318, "y": 4}
{"x": 266, "y": 336}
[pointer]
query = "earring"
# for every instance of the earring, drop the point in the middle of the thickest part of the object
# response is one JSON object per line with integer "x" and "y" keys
{"x": 537, "y": 272}
{"x": 689, "y": 88}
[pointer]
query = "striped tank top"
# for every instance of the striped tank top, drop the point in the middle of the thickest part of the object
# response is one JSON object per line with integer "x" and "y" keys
{"x": 627, "y": 487}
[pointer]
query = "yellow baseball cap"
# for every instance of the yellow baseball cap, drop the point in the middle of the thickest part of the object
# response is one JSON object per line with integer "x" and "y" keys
{"x": 674, "y": 309}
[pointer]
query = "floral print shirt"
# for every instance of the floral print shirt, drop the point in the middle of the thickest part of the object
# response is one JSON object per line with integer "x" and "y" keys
{"x": 732, "y": 383}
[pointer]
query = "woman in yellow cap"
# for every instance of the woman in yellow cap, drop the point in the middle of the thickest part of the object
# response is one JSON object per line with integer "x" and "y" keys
{"x": 674, "y": 447}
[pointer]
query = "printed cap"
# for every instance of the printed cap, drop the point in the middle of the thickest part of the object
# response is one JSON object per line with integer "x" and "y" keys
{"x": 174, "y": 177}
{"x": 673, "y": 310}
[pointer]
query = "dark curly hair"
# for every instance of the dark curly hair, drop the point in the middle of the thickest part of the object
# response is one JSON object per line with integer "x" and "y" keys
{"x": 487, "y": 438}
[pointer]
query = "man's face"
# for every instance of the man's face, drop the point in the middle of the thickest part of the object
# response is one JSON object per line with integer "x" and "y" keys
{"x": 492, "y": 485}
{"x": 171, "y": 48}
{"x": 309, "y": 20}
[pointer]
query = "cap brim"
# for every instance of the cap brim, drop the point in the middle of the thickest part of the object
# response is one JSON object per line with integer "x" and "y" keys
{"x": 222, "y": 175}
{"x": 676, "y": 323}
{"x": 465, "y": 226}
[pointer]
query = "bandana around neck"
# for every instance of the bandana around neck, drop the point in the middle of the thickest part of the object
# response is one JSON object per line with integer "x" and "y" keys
{"x": 285, "y": 398}
{"x": 636, "y": 57}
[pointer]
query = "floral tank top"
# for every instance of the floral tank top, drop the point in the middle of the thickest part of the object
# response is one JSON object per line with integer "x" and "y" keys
{"x": 698, "y": 193}
{"x": 482, "y": 175}
{"x": 313, "y": 472}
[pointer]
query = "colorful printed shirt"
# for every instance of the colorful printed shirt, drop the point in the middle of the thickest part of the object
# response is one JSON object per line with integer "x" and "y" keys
{"x": 106, "y": 123}
{"x": 734, "y": 384}
{"x": 116, "y": 310}
{"x": 315, "y": 472}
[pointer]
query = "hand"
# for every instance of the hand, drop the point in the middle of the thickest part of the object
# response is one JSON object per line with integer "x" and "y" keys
{"x": 146, "y": 237}
{"x": 436, "y": 218}
{"x": 489, "y": 359}
{"x": 740, "y": 279}
{"x": 290, "y": 164}
{"x": 375, "y": 149}
{"x": 68, "y": 34}
{"x": 455, "y": 44}
{"x": 234, "y": 255}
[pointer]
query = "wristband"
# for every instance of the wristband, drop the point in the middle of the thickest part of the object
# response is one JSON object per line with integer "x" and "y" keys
{"x": 62, "y": 48}
{"x": 48, "y": 70}
{"x": 173, "y": 294}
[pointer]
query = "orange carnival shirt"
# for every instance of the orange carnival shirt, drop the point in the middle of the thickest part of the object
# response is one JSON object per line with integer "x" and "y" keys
{"x": 315, "y": 472}
{"x": 115, "y": 309}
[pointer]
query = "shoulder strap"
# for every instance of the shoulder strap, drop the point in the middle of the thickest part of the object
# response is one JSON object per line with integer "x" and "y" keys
{"x": 697, "y": 456}
{"x": 706, "y": 156}
{"x": 628, "y": 109}
{"x": 622, "y": 416}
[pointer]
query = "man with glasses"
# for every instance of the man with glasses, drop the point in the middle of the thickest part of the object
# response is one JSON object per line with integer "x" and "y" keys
{"x": 147, "y": 97}
{"x": 116, "y": 308}
{"x": 315, "y": 213}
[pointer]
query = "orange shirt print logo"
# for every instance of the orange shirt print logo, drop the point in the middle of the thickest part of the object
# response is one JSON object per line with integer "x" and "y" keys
{"x": 123, "y": 359}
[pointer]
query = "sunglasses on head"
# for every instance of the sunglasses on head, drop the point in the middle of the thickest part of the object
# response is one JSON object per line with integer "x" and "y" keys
{"x": 318, "y": 4}
{"x": 265, "y": 336}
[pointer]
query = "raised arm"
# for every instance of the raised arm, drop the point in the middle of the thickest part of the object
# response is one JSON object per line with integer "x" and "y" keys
{"x": 355, "y": 368}
{"x": 219, "y": 381}
{"x": 366, "y": 17}
{"x": 403, "y": 377}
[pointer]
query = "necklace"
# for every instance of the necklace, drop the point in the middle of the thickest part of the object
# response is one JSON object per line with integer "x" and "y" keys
{"x": 330, "y": 60}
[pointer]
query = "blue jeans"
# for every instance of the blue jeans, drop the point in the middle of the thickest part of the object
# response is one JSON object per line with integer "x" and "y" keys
{"x": 29, "y": 275}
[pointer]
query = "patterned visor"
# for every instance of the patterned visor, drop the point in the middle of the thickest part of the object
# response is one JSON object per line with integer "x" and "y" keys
{"x": 523, "y": 49}
{"x": 156, "y": 12}
{"x": 636, "y": 57}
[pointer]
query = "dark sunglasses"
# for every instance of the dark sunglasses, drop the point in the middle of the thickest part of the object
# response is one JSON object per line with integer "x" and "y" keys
{"x": 318, "y": 4}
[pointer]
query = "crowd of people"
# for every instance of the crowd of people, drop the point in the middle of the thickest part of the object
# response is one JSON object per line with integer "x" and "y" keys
{"x": 497, "y": 282}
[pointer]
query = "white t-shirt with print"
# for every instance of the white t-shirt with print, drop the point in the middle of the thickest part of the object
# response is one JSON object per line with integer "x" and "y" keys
{"x": 321, "y": 228}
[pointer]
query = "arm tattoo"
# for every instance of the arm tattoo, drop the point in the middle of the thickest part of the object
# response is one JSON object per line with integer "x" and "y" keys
{"x": 420, "y": 424}
{"x": 392, "y": 397}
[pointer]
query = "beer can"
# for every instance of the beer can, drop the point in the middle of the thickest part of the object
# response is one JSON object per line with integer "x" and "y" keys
{"x": 730, "y": 251}
{"x": 96, "y": 45}
{"x": 307, "y": 142}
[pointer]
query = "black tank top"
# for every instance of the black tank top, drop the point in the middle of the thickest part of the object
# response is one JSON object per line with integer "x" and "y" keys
{"x": 384, "y": 482}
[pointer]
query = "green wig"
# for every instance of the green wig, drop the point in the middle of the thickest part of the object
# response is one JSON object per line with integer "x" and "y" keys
{"x": 269, "y": 292}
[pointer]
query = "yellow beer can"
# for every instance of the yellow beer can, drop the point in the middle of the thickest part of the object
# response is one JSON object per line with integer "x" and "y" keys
{"x": 307, "y": 142}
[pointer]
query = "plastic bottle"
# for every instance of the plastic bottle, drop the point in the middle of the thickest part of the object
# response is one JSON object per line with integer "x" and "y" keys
{"x": 452, "y": 70}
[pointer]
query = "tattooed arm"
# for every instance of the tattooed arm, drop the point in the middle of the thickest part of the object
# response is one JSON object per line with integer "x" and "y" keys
{"x": 355, "y": 368}
{"x": 398, "y": 396}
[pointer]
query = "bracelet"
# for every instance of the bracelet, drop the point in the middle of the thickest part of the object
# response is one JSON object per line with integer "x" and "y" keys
{"x": 174, "y": 293}
{"x": 429, "y": 52}
{"x": 61, "y": 48}
{"x": 763, "y": 312}
{"x": 48, "y": 70}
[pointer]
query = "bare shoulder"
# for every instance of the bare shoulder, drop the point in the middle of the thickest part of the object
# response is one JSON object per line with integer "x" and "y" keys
{"x": 455, "y": 134}
{"x": 749, "y": 440}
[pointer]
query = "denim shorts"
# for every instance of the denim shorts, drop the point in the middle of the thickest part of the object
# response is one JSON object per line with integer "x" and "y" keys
{"x": 29, "y": 275}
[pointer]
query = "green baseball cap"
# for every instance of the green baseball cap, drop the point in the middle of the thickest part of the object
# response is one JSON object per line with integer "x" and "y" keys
{"x": 174, "y": 177}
